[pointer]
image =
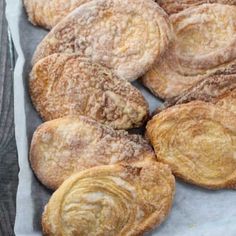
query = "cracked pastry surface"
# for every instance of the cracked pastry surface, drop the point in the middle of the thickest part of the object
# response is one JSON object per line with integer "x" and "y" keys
{"x": 175, "y": 6}
{"x": 47, "y": 13}
{"x": 126, "y": 36}
{"x": 204, "y": 46}
{"x": 198, "y": 141}
{"x": 115, "y": 200}
{"x": 62, "y": 84}
{"x": 67, "y": 145}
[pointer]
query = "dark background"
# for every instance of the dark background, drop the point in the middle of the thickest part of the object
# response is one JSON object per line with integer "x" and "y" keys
{"x": 8, "y": 152}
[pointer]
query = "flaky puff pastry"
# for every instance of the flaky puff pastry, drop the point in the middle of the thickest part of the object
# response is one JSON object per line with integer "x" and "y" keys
{"x": 174, "y": 6}
{"x": 219, "y": 90}
{"x": 47, "y": 13}
{"x": 198, "y": 141}
{"x": 116, "y": 200}
{"x": 65, "y": 84}
{"x": 126, "y": 36}
{"x": 227, "y": 101}
{"x": 209, "y": 90}
{"x": 67, "y": 145}
{"x": 204, "y": 46}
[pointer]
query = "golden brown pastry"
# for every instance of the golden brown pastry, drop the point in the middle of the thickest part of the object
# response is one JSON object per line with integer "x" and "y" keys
{"x": 227, "y": 101}
{"x": 206, "y": 90}
{"x": 174, "y": 6}
{"x": 116, "y": 200}
{"x": 47, "y": 13}
{"x": 67, "y": 145}
{"x": 65, "y": 84}
{"x": 204, "y": 46}
{"x": 126, "y": 36}
{"x": 198, "y": 141}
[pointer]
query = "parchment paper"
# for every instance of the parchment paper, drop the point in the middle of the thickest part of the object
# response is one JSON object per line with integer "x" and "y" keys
{"x": 196, "y": 212}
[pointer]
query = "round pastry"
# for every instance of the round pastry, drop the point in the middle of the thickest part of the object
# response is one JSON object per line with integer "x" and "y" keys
{"x": 65, "y": 84}
{"x": 116, "y": 200}
{"x": 67, "y": 145}
{"x": 204, "y": 46}
{"x": 174, "y": 6}
{"x": 198, "y": 141}
{"x": 47, "y": 13}
{"x": 126, "y": 36}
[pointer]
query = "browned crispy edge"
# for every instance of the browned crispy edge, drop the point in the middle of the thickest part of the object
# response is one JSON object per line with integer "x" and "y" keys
{"x": 28, "y": 6}
{"x": 206, "y": 90}
{"x": 175, "y": 6}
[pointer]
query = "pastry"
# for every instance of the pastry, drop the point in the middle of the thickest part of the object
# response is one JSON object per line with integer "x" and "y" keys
{"x": 206, "y": 90}
{"x": 65, "y": 84}
{"x": 227, "y": 101}
{"x": 115, "y": 200}
{"x": 198, "y": 141}
{"x": 204, "y": 46}
{"x": 174, "y": 6}
{"x": 126, "y": 36}
{"x": 63, "y": 146}
{"x": 47, "y": 13}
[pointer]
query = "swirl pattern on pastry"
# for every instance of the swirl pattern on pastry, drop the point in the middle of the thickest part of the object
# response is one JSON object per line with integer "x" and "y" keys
{"x": 115, "y": 200}
{"x": 204, "y": 46}
{"x": 48, "y": 13}
{"x": 67, "y": 145}
{"x": 126, "y": 36}
{"x": 198, "y": 141}
{"x": 175, "y": 6}
{"x": 62, "y": 85}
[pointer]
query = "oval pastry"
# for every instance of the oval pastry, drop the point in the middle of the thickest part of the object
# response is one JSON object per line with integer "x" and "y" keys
{"x": 205, "y": 45}
{"x": 126, "y": 36}
{"x": 174, "y": 6}
{"x": 198, "y": 141}
{"x": 47, "y": 13}
{"x": 62, "y": 84}
{"x": 116, "y": 200}
{"x": 64, "y": 146}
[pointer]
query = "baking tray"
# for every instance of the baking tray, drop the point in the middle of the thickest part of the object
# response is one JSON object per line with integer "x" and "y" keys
{"x": 196, "y": 212}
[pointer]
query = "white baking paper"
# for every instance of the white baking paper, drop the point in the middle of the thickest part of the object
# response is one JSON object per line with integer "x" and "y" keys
{"x": 196, "y": 212}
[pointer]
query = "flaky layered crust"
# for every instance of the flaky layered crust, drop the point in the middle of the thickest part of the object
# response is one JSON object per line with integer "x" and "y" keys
{"x": 207, "y": 90}
{"x": 175, "y": 6}
{"x": 126, "y": 36}
{"x": 63, "y": 84}
{"x": 198, "y": 141}
{"x": 47, "y": 13}
{"x": 204, "y": 46}
{"x": 227, "y": 101}
{"x": 64, "y": 146}
{"x": 116, "y": 200}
